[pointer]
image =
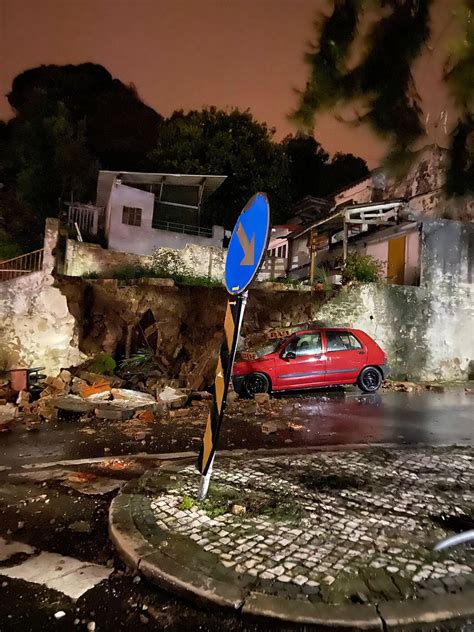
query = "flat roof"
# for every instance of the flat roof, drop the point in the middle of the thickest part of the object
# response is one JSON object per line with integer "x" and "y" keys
{"x": 105, "y": 179}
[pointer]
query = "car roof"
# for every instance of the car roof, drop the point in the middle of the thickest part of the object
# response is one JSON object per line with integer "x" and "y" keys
{"x": 309, "y": 329}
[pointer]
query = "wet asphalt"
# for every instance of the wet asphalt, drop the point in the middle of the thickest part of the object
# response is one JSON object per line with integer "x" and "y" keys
{"x": 322, "y": 419}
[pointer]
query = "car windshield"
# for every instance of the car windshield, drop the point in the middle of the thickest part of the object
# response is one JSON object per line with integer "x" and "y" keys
{"x": 264, "y": 348}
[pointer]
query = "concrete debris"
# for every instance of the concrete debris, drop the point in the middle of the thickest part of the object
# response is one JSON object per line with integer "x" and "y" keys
{"x": 173, "y": 397}
{"x": 113, "y": 413}
{"x": 402, "y": 387}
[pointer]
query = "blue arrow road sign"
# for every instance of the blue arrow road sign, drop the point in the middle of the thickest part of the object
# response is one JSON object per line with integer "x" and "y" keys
{"x": 248, "y": 244}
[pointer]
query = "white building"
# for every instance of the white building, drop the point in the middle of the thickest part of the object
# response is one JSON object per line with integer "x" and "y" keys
{"x": 141, "y": 212}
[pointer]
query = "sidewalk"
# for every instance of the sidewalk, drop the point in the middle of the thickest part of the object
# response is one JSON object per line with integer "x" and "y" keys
{"x": 339, "y": 539}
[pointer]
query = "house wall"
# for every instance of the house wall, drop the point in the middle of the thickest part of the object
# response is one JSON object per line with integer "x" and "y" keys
{"x": 298, "y": 257}
{"x": 375, "y": 245}
{"x": 36, "y": 328}
{"x": 144, "y": 240}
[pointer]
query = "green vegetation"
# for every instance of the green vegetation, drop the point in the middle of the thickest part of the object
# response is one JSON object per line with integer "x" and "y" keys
{"x": 102, "y": 364}
{"x": 361, "y": 268}
{"x": 187, "y": 502}
{"x": 321, "y": 276}
{"x": 142, "y": 360}
{"x": 275, "y": 506}
{"x": 351, "y": 68}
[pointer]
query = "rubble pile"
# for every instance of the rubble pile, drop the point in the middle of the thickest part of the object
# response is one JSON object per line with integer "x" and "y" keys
{"x": 78, "y": 395}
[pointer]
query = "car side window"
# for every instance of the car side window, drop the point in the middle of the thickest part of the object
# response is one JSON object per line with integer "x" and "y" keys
{"x": 341, "y": 341}
{"x": 306, "y": 344}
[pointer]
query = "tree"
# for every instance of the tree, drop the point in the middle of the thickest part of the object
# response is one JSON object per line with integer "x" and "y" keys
{"x": 313, "y": 173}
{"x": 231, "y": 143}
{"x": 381, "y": 85}
{"x": 69, "y": 122}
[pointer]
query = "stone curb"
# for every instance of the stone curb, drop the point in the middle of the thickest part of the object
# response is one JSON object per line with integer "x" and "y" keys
{"x": 164, "y": 564}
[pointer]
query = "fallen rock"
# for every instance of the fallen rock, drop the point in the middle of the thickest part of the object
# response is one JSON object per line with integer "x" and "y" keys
{"x": 238, "y": 510}
{"x": 173, "y": 397}
{"x": 182, "y": 412}
{"x": 262, "y": 398}
{"x": 77, "y": 385}
{"x": 201, "y": 395}
{"x": 56, "y": 383}
{"x": 66, "y": 376}
{"x": 232, "y": 397}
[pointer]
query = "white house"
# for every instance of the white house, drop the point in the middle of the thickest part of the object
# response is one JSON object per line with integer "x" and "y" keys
{"x": 141, "y": 212}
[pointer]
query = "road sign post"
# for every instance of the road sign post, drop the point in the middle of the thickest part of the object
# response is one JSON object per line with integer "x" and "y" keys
{"x": 247, "y": 248}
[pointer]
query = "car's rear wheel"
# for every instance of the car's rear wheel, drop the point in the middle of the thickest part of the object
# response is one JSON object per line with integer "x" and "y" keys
{"x": 370, "y": 379}
{"x": 256, "y": 383}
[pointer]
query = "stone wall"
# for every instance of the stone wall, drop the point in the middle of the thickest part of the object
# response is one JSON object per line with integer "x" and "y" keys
{"x": 83, "y": 258}
{"x": 36, "y": 327}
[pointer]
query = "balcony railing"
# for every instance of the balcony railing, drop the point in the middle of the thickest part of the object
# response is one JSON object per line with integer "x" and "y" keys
{"x": 182, "y": 228}
{"x": 22, "y": 265}
{"x": 90, "y": 219}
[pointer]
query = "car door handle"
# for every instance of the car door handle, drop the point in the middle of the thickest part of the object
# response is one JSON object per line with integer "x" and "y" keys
{"x": 361, "y": 352}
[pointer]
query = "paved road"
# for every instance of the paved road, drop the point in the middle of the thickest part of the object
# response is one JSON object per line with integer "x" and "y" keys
{"x": 326, "y": 419}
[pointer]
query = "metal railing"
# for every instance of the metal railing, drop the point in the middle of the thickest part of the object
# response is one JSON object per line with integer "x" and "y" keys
{"x": 22, "y": 265}
{"x": 182, "y": 228}
{"x": 90, "y": 219}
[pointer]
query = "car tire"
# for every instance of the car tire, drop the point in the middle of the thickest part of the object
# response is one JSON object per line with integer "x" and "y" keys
{"x": 370, "y": 379}
{"x": 256, "y": 383}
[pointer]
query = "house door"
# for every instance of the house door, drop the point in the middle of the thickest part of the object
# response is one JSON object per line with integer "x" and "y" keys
{"x": 396, "y": 261}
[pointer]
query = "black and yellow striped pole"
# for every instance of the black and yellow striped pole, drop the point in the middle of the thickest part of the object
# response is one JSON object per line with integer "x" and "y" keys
{"x": 232, "y": 324}
{"x": 247, "y": 248}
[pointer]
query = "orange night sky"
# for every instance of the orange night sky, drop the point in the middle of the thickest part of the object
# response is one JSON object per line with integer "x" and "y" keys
{"x": 190, "y": 53}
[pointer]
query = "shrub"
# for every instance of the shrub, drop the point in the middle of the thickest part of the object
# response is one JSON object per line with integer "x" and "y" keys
{"x": 168, "y": 263}
{"x": 103, "y": 364}
{"x": 362, "y": 268}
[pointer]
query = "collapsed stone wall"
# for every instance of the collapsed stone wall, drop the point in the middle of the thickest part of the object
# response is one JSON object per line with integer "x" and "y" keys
{"x": 189, "y": 320}
{"x": 36, "y": 327}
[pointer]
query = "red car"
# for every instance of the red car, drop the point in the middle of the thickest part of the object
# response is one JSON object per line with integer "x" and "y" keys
{"x": 314, "y": 358}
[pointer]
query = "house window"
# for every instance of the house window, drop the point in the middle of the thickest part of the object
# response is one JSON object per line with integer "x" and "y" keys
{"x": 132, "y": 216}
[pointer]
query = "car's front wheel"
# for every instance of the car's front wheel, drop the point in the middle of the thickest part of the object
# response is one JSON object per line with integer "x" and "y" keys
{"x": 256, "y": 383}
{"x": 370, "y": 379}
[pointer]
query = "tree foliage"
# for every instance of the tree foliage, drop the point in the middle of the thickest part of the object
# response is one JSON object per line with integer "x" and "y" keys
{"x": 312, "y": 172}
{"x": 381, "y": 85}
{"x": 231, "y": 143}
